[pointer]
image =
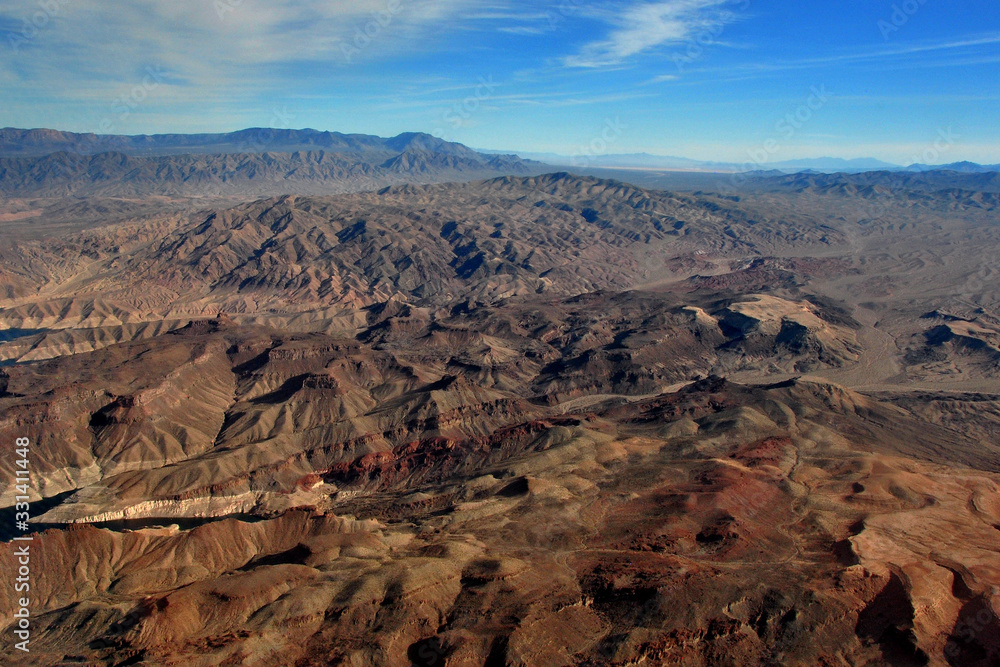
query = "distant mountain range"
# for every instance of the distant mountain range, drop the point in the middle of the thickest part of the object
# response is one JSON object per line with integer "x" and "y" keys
{"x": 261, "y": 162}
{"x": 255, "y": 162}
{"x": 966, "y": 167}
{"x": 16, "y": 142}
{"x": 936, "y": 181}
{"x": 668, "y": 162}
{"x": 832, "y": 164}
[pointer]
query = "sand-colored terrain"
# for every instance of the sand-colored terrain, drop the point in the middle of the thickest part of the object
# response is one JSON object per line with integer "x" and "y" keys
{"x": 486, "y": 424}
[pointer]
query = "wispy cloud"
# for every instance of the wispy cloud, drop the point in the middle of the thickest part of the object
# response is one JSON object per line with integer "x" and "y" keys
{"x": 537, "y": 99}
{"x": 950, "y": 53}
{"x": 644, "y": 26}
{"x": 217, "y": 42}
{"x": 522, "y": 30}
{"x": 218, "y": 54}
{"x": 663, "y": 78}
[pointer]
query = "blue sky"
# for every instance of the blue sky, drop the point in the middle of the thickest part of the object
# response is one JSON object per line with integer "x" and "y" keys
{"x": 707, "y": 79}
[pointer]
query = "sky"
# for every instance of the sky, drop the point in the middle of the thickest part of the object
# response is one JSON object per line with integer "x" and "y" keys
{"x": 749, "y": 81}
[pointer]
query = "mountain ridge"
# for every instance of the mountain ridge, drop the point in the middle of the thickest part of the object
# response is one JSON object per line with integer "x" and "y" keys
{"x": 251, "y": 175}
{"x": 43, "y": 141}
{"x": 824, "y": 164}
{"x": 35, "y": 142}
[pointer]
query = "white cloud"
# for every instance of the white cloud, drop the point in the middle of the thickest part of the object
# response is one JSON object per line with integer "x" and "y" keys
{"x": 522, "y": 30}
{"x": 644, "y": 26}
{"x": 91, "y": 48}
{"x": 912, "y": 55}
{"x": 663, "y": 78}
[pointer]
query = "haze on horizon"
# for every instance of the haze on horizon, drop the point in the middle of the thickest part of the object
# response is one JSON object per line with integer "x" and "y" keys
{"x": 704, "y": 79}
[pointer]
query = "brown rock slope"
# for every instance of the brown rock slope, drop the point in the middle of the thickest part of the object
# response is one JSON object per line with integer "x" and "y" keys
{"x": 215, "y": 418}
{"x": 790, "y": 524}
{"x": 431, "y": 246}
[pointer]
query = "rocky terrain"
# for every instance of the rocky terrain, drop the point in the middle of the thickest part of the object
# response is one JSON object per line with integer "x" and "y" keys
{"x": 884, "y": 182}
{"x": 239, "y": 174}
{"x": 528, "y": 420}
{"x": 46, "y": 164}
{"x": 554, "y": 234}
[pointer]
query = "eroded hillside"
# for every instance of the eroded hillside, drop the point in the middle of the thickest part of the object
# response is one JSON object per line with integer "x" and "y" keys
{"x": 528, "y": 421}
